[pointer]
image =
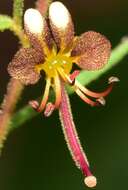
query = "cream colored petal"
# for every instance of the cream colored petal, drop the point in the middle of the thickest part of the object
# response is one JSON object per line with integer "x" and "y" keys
{"x": 37, "y": 30}
{"x": 61, "y": 25}
{"x": 34, "y": 21}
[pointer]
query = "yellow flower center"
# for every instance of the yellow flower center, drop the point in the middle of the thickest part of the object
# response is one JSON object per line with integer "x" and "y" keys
{"x": 54, "y": 62}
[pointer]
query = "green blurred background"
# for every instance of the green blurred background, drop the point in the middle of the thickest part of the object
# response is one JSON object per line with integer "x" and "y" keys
{"x": 35, "y": 155}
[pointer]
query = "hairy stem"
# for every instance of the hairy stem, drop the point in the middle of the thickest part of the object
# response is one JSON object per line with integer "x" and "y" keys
{"x": 18, "y": 6}
{"x": 14, "y": 90}
{"x": 42, "y": 6}
{"x": 14, "y": 87}
{"x": 71, "y": 135}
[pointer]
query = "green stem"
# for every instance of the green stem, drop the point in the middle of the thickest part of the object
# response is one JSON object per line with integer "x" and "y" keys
{"x": 14, "y": 91}
{"x": 18, "y": 6}
{"x": 85, "y": 78}
{"x": 14, "y": 87}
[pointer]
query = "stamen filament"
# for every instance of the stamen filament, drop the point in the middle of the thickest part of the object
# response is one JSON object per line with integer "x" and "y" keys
{"x": 72, "y": 139}
{"x": 94, "y": 94}
{"x": 85, "y": 98}
{"x": 57, "y": 90}
{"x": 64, "y": 76}
{"x": 74, "y": 75}
{"x": 45, "y": 96}
{"x": 80, "y": 90}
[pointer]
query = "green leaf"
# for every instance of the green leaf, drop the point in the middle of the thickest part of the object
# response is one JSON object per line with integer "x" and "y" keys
{"x": 18, "y": 6}
{"x": 5, "y": 22}
{"x": 22, "y": 116}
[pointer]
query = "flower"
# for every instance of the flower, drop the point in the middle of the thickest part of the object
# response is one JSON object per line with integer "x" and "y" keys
{"x": 54, "y": 50}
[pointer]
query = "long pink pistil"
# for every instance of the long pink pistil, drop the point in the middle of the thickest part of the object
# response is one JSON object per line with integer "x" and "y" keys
{"x": 72, "y": 139}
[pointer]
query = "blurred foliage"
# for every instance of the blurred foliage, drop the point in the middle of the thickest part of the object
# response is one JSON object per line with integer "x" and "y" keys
{"x": 5, "y": 22}
{"x": 18, "y": 11}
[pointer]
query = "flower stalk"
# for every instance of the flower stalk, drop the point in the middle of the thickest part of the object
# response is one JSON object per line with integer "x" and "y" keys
{"x": 72, "y": 139}
{"x": 14, "y": 87}
{"x": 14, "y": 91}
{"x": 42, "y": 6}
{"x": 18, "y": 6}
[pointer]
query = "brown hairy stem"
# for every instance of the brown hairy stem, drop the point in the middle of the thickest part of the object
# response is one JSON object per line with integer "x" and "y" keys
{"x": 42, "y": 6}
{"x": 14, "y": 90}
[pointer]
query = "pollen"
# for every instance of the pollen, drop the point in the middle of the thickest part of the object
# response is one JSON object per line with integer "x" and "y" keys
{"x": 54, "y": 62}
{"x": 90, "y": 181}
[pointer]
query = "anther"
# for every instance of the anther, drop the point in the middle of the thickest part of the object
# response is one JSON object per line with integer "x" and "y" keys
{"x": 101, "y": 100}
{"x": 112, "y": 80}
{"x": 90, "y": 181}
{"x": 73, "y": 76}
{"x": 34, "y": 104}
{"x": 73, "y": 82}
{"x": 49, "y": 109}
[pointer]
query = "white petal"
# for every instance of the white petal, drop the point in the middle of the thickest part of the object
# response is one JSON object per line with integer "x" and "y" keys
{"x": 34, "y": 21}
{"x": 59, "y": 15}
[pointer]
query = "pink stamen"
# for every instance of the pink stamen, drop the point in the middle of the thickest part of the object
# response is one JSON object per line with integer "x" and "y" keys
{"x": 94, "y": 94}
{"x": 72, "y": 139}
{"x": 82, "y": 91}
{"x": 85, "y": 98}
{"x": 64, "y": 76}
{"x": 74, "y": 75}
